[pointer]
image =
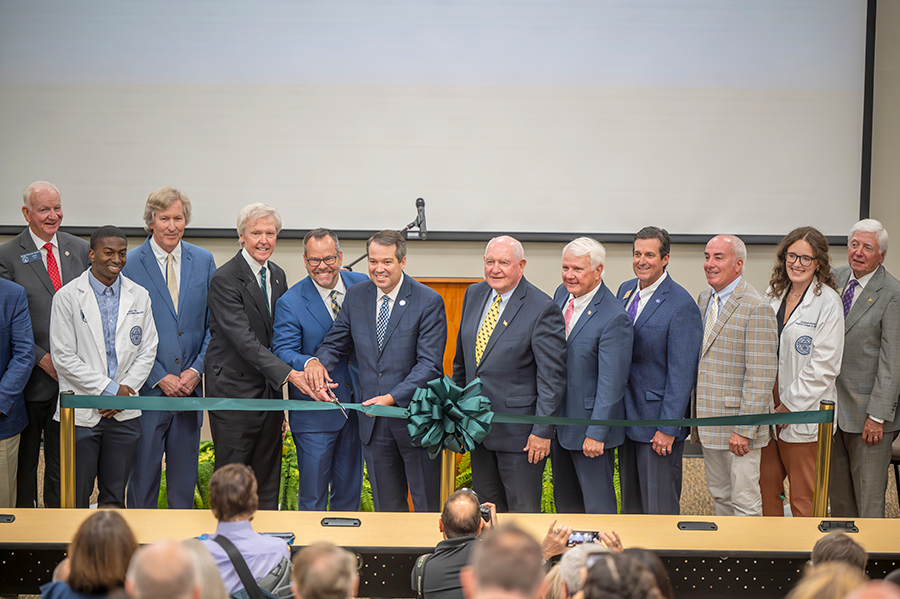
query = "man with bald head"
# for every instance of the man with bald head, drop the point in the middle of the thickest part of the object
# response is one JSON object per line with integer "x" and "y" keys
{"x": 738, "y": 364}
{"x": 41, "y": 259}
{"x": 512, "y": 336}
{"x": 164, "y": 570}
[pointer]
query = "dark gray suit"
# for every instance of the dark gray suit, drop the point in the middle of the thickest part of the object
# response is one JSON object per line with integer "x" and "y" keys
{"x": 523, "y": 371}
{"x": 240, "y": 364}
{"x": 868, "y": 384}
{"x": 18, "y": 263}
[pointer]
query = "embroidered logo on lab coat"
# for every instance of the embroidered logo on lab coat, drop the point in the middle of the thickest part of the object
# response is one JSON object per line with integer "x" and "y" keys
{"x": 803, "y": 345}
{"x": 136, "y": 334}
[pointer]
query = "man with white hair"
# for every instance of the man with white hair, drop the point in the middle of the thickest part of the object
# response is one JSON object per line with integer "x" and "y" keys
{"x": 239, "y": 359}
{"x": 738, "y": 364}
{"x": 164, "y": 570}
{"x": 41, "y": 259}
{"x": 574, "y": 566}
{"x": 512, "y": 336}
{"x": 869, "y": 382}
{"x": 323, "y": 571}
{"x": 599, "y": 337}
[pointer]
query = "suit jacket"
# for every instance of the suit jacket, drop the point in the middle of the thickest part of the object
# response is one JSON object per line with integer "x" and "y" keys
{"x": 79, "y": 349}
{"x": 869, "y": 381}
{"x": 301, "y": 322}
{"x": 73, "y": 260}
{"x": 183, "y": 335}
{"x": 598, "y": 358}
{"x": 413, "y": 350}
{"x": 737, "y": 367}
{"x": 239, "y": 361}
{"x": 523, "y": 368}
{"x": 667, "y": 338}
{"x": 16, "y": 358}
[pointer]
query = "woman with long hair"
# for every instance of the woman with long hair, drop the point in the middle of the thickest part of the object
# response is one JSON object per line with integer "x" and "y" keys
{"x": 811, "y": 343}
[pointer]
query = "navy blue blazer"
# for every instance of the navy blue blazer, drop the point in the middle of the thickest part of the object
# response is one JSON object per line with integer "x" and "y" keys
{"x": 183, "y": 336}
{"x": 598, "y": 359}
{"x": 414, "y": 343}
{"x": 16, "y": 357}
{"x": 301, "y": 322}
{"x": 667, "y": 338}
{"x": 523, "y": 367}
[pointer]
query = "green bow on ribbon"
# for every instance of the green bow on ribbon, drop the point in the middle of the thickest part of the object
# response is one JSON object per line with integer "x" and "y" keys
{"x": 443, "y": 416}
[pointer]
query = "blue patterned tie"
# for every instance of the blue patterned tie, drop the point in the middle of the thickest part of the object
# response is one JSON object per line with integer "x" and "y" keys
{"x": 382, "y": 322}
{"x": 633, "y": 306}
{"x": 847, "y": 299}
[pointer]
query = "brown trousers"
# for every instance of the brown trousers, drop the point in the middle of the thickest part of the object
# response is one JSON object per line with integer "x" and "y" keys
{"x": 797, "y": 461}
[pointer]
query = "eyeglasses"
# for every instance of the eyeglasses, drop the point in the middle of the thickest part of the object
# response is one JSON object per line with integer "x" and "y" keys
{"x": 791, "y": 258}
{"x": 329, "y": 260}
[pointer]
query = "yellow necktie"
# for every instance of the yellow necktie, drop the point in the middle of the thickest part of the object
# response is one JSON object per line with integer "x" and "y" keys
{"x": 487, "y": 328}
{"x": 171, "y": 280}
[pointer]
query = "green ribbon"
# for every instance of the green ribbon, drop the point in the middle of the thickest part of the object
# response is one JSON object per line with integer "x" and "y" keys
{"x": 443, "y": 416}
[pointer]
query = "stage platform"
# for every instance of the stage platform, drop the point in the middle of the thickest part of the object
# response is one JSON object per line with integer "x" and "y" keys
{"x": 758, "y": 557}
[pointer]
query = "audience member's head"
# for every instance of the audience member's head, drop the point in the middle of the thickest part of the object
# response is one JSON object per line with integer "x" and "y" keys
{"x": 323, "y": 571}
{"x": 553, "y": 583}
{"x": 877, "y": 589}
{"x": 164, "y": 570}
{"x": 207, "y": 573}
{"x": 828, "y": 580}
{"x": 99, "y": 553}
{"x": 894, "y": 577}
{"x": 232, "y": 493}
{"x": 656, "y": 567}
{"x": 620, "y": 576}
{"x": 574, "y": 566}
{"x": 839, "y": 547}
{"x": 507, "y": 561}
{"x": 461, "y": 516}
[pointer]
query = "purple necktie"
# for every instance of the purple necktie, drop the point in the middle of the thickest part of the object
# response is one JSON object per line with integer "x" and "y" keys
{"x": 633, "y": 306}
{"x": 847, "y": 300}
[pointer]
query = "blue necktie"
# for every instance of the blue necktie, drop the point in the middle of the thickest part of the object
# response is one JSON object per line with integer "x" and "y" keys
{"x": 262, "y": 284}
{"x": 633, "y": 306}
{"x": 382, "y": 322}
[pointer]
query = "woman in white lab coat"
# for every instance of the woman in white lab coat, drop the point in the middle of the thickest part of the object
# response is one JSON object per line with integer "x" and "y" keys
{"x": 811, "y": 344}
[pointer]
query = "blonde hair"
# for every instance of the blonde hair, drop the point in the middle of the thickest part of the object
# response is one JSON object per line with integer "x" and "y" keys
{"x": 162, "y": 199}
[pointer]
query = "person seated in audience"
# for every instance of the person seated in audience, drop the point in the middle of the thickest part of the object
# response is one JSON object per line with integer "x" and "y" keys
{"x": 233, "y": 500}
{"x": 839, "y": 547}
{"x": 618, "y": 576}
{"x": 98, "y": 559}
{"x": 207, "y": 572}
{"x": 876, "y": 589}
{"x": 893, "y": 577}
{"x": 461, "y": 523}
{"x": 574, "y": 566}
{"x": 553, "y": 584}
{"x": 506, "y": 564}
{"x": 163, "y": 570}
{"x": 656, "y": 567}
{"x": 323, "y": 571}
{"x": 828, "y": 580}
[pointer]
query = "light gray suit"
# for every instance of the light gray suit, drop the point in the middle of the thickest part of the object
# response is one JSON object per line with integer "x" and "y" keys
{"x": 19, "y": 264}
{"x": 868, "y": 384}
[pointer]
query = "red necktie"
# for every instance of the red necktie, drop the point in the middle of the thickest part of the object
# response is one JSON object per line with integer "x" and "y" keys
{"x": 52, "y": 268}
{"x": 570, "y": 311}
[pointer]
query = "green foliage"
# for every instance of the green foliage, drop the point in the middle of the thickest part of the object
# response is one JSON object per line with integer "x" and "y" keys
{"x": 288, "y": 492}
{"x": 204, "y": 473}
{"x": 366, "y": 503}
{"x": 548, "y": 504}
{"x": 464, "y": 472}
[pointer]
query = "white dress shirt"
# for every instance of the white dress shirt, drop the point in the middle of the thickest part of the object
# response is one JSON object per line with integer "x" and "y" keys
{"x": 161, "y": 255}
{"x": 325, "y": 294}
{"x": 392, "y": 297}
{"x": 643, "y": 295}
{"x": 580, "y": 304}
{"x": 256, "y": 268}
{"x": 504, "y": 300}
{"x": 39, "y": 243}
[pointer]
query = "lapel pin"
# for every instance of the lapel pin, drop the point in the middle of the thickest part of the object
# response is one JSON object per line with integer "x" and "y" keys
{"x": 402, "y": 302}
{"x": 870, "y": 299}
{"x": 504, "y": 323}
{"x": 657, "y": 301}
{"x": 589, "y": 312}
{"x": 67, "y": 252}
{"x": 628, "y": 293}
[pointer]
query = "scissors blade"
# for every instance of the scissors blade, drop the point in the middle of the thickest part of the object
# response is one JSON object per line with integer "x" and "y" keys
{"x": 335, "y": 400}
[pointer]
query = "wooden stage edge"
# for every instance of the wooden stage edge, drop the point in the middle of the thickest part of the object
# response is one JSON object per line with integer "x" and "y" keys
{"x": 403, "y": 533}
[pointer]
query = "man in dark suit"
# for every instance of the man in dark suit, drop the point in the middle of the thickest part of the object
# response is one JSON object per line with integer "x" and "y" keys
{"x": 176, "y": 274}
{"x": 668, "y": 332}
{"x": 239, "y": 359}
{"x": 512, "y": 335}
{"x": 41, "y": 259}
{"x": 398, "y": 329}
{"x": 16, "y": 362}
{"x": 599, "y": 338}
{"x": 329, "y": 452}
{"x": 869, "y": 382}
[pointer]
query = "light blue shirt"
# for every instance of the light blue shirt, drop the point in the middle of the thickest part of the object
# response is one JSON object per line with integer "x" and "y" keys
{"x": 724, "y": 296}
{"x": 261, "y": 552}
{"x": 504, "y": 299}
{"x": 108, "y": 302}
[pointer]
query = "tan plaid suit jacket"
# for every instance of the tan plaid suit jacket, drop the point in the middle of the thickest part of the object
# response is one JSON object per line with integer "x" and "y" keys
{"x": 738, "y": 365}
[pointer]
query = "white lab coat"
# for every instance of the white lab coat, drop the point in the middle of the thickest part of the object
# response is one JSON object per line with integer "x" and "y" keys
{"x": 812, "y": 345}
{"x": 79, "y": 351}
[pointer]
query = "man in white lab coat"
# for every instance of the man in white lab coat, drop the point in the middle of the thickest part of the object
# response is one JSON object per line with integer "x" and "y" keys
{"x": 103, "y": 342}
